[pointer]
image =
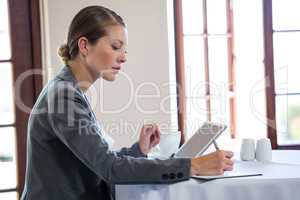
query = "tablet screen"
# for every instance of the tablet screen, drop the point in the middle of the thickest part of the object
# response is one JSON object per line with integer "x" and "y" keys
{"x": 201, "y": 140}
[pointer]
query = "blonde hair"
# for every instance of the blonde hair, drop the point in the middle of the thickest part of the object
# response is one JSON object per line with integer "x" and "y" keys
{"x": 89, "y": 22}
{"x": 64, "y": 53}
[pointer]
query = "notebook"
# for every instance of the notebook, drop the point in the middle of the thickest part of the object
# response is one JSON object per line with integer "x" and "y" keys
{"x": 241, "y": 169}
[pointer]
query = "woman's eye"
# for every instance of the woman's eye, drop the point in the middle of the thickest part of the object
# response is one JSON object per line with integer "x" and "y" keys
{"x": 115, "y": 47}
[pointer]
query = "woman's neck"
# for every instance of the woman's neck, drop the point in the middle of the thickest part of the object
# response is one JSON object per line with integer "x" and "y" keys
{"x": 82, "y": 74}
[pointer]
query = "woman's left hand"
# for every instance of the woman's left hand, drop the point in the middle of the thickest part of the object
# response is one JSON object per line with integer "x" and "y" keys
{"x": 149, "y": 137}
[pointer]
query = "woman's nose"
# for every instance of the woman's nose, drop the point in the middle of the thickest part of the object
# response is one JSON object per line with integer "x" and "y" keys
{"x": 122, "y": 58}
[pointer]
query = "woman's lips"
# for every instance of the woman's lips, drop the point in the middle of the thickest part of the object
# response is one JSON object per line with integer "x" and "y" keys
{"x": 116, "y": 68}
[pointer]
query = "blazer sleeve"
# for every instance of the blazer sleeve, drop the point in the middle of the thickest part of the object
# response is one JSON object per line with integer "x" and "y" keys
{"x": 133, "y": 151}
{"x": 73, "y": 124}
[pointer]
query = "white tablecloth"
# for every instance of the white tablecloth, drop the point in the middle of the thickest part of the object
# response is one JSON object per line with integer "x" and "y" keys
{"x": 280, "y": 181}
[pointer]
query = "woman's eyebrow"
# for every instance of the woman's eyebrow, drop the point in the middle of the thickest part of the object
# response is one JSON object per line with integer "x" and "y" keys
{"x": 118, "y": 40}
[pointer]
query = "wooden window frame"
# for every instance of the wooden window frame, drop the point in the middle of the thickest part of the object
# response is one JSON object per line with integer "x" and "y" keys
{"x": 269, "y": 74}
{"x": 24, "y": 22}
{"x": 180, "y": 66}
{"x": 180, "y": 71}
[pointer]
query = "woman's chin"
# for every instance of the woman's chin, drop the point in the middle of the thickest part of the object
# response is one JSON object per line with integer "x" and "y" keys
{"x": 109, "y": 77}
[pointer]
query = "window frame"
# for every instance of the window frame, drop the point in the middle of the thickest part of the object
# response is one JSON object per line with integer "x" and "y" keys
{"x": 180, "y": 65}
{"x": 270, "y": 75}
{"x": 26, "y": 55}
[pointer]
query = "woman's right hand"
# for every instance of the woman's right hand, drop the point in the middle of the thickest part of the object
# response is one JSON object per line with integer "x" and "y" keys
{"x": 212, "y": 164}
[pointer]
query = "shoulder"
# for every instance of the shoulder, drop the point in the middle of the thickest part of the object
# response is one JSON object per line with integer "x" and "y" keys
{"x": 58, "y": 86}
{"x": 61, "y": 90}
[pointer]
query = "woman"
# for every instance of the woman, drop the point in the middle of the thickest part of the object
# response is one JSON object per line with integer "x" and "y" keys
{"x": 68, "y": 157}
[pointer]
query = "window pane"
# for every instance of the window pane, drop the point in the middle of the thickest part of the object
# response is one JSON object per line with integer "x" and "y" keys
{"x": 195, "y": 83}
{"x": 218, "y": 77}
{"x": 196, "y": 113}
{"x": 287, "y": 62}
{"x": 192, "y": 12}
{"x": 5, "y": 50}
{"x": 6, "y": 104}
{"x": 7, "y": 158}
{"x": 216, "y": 16}
{"x": 194, "y": 65}
{"x": 218, "y": 61}
{"x": 220, "y": 109}
{"x": 286, "y": 14}
{"x": 288, "y": 119}
{"x": 8, "y": 196}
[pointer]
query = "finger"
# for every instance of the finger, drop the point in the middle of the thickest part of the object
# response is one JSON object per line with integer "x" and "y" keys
{"x": 228, "y": 168}
{"x": 154, "y": 144}
{"x": 156, "y": 139}
{"x": 228, "y": 154}
{"x": 228, "y": 162}
{"x": 144, "y": 129}
{"x": 157, "y": 132}
{"x": 228, "y": 165}
{"x": 155, "y": 128}
{"x": 148, "y": 127}
{"x": 148, "y": 130}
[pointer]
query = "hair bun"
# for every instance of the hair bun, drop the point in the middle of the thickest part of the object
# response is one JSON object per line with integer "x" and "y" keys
{"x": 64, "y": 53}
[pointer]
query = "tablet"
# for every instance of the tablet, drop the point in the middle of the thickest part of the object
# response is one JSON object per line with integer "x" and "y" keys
{"x": 201, "y": 140}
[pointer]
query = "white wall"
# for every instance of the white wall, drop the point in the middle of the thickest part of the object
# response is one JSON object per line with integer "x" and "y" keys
{"x": 148, "y": 61}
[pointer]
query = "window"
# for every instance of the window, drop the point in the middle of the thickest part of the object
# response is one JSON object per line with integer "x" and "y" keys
{"x": 8, "y": 181}
{"x": 219, "y": 58}
{"x": 206, "y": 36}
{"x": 282, "y": 46}
{"x": 20, "y": 52}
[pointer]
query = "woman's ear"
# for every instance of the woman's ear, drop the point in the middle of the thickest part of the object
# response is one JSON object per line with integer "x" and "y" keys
{"x": 83, "y": 46}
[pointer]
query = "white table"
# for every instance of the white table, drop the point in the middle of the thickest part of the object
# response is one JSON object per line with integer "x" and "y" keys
{"x": 280, "y": 181}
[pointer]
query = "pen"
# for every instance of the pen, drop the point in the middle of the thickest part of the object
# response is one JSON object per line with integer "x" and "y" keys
{"x": 215, "y": 144}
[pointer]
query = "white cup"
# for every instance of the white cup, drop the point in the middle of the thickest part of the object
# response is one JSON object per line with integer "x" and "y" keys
{"x": 169, "y": 142}
{"x": 247, "y": 150}
{"x": 263, "y": 150}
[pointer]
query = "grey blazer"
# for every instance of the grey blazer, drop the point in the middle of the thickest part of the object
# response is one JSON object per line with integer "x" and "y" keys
{"x": 67, "y": 157}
